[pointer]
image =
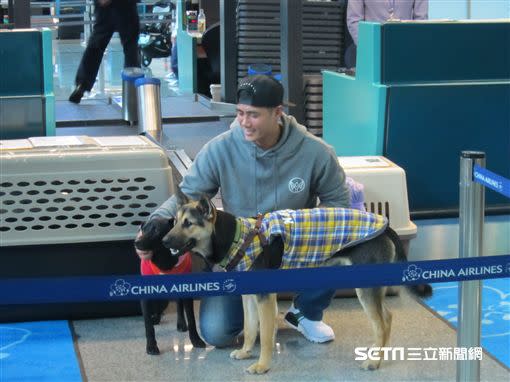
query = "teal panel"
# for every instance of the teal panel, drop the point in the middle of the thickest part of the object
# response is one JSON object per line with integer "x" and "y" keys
{"x": 353, "y": 115}
{"x": 49, "y": 100}
{"x": 428, "y": 127}
{"x": 47, "y": 60}
{"x": 22, "y": 117}
{"x": 187, "y": 61}
{"x": 368, "y": 56}
{"x": 49, "y": 115}
{"x": 439, "y": 52}
{"x": 186, "y": 53}
{"x": 21, "y": 60}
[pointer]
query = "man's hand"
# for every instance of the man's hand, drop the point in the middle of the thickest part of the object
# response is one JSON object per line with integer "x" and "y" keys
{"x": 104, "y": 3}
{"x": 143, "y": 255}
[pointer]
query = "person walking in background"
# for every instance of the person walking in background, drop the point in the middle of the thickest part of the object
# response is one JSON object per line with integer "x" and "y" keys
{"x": 381, "y": 11}
{"x": 110, "y": 16}
{"x": 173, "y": 58}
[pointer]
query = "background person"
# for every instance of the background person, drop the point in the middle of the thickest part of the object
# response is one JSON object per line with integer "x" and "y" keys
{"x": 381, "y": 11}
{"x": 110, "y": 16}
{"x": 265, "y": 162}
{"x": 173, "y": 58}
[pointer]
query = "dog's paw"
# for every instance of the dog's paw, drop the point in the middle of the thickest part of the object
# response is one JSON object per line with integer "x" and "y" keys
{"x": 258, "y": 368}
{"x": 370, "y": 364}
{"x": 240, "y": 354}
{"x": 181, "y": 326}
{"x": 197, "y": 342}
{"x": 156, "y": 318}
{"x": 152, "y": 350}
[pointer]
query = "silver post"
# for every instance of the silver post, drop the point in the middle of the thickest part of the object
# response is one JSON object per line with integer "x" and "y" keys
{"x": 149, "y": 106}
{"x": 471, "y": 217}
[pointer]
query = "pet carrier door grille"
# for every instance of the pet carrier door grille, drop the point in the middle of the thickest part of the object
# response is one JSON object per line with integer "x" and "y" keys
{"x": 85, "y": 193}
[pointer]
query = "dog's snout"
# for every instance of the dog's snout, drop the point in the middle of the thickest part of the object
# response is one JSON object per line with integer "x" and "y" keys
{"x": 139, "y": 245}
{"x": 169, "y": 242}
{"x": 178, "y": 245}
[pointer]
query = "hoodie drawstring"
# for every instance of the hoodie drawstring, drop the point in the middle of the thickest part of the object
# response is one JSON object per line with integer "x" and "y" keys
{"x": 255, "y": 176}
{"x": 275, "y": 183}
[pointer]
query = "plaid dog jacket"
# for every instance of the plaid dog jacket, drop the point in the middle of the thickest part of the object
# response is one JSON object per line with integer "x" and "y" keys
{"x": 310, "y": 236}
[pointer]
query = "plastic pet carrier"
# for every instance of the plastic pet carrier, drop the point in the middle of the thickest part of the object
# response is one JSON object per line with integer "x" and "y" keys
{"x": 71, "y": 206}
{"x": 385, "y": 191}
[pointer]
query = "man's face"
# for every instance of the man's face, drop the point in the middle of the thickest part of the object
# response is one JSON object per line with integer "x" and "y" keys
{"x": 260, "y": 124}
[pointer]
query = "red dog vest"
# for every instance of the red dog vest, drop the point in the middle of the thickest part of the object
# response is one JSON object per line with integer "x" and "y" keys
{"x": 148, "y": 268}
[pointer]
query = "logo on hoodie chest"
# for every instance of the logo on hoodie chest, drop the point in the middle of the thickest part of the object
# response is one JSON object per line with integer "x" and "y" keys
{"x": 296, "y": 185}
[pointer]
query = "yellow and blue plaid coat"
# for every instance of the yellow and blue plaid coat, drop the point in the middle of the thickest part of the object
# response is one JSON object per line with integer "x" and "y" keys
{"x": 310, "y": 236}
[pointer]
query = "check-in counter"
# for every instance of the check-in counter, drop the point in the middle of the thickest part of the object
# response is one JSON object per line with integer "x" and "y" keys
{"x": 27, "y": 101}
{"x": 423, "y": 92}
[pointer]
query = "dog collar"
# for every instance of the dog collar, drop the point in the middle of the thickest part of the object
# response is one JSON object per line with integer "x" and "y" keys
{"x": 238, "y": 247}
{"x": 234, "y": 246}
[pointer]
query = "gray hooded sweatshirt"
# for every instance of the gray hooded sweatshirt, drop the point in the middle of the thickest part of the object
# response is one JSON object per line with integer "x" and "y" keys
{"x": 290, "y": 175}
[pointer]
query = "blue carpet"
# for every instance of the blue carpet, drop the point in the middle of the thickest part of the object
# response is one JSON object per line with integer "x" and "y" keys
{"x": 37, "y": 351}
{"x": 495, "y": 313}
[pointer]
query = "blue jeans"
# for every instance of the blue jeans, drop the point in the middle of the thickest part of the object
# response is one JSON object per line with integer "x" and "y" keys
{"x": 221, "y": 317}
{"x": 312, "y": 303}
{"x": 173, "y": 60}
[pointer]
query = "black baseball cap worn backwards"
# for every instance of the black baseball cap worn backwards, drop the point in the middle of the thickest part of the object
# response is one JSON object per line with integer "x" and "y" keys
{"x": 260, "y": 90}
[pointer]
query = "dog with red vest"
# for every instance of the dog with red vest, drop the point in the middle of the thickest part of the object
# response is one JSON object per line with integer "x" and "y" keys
{"x": 149, "y": 240}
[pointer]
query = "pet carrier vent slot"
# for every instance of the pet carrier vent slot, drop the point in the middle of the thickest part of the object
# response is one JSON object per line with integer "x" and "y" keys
{"x": 380, "y": 208}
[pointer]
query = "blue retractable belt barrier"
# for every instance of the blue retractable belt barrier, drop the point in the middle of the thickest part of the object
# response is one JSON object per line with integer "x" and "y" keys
{"x": 118, "y": 288}
{"x": 147, "y": 81}
{"x": 491, "y": 180}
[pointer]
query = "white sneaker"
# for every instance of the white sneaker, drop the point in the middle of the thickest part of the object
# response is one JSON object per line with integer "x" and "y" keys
{"x": 315, "y": 331}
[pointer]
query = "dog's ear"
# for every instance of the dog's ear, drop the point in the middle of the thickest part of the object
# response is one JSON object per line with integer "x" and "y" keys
{"x": 180, "y": 196}
{"x": 206, "y": 207}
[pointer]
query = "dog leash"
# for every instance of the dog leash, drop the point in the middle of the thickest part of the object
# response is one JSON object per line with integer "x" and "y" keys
{"x": 249, "y": 238}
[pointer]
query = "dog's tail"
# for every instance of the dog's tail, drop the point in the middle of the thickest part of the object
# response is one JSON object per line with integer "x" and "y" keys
{"x": 421, "y": 290}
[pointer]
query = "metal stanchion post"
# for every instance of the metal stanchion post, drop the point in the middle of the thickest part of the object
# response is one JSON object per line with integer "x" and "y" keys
{"x": 129, "y": 96}
{"x": 149, "y": 106}
{"x": 471, "y": 217}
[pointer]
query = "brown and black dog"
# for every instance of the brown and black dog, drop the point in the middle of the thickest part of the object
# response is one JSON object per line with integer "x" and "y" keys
{"x": 200, "y": 228}
{"x": 152, "y": 232}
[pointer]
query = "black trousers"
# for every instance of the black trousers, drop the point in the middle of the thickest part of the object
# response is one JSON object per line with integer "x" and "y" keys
{"x": 350, "y": 56}
{"x": 119, "y": 16}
